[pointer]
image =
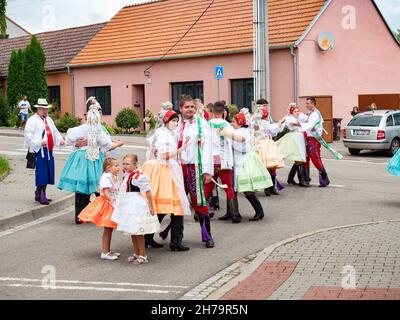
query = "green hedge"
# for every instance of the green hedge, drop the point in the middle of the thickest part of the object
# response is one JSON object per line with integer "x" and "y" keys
{"x": 4, "y": 166}
{"x": 66, "y": 122}
{"x": 127, "y": 119}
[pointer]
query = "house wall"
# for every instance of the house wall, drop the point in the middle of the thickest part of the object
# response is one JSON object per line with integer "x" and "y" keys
{"x": 121, "y": 78}
{"x": 364, "y": 60}
{"x": 64, "y": 81}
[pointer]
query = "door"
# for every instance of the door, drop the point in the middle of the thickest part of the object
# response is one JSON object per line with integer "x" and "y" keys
{"x": 138, "y": 102}
{"x": 383, "y": 101}
{"x": 325, "y": 106}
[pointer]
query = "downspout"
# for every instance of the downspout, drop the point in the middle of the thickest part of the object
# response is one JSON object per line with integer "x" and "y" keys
{"x": 294, "y": 71}
{"x": 71, "y": 74}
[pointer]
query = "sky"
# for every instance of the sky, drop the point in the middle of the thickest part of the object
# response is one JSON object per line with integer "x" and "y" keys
{"x": 47, "y": 15}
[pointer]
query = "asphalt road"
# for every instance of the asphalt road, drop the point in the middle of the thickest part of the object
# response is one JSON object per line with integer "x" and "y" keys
{"x": 361, "y": 191}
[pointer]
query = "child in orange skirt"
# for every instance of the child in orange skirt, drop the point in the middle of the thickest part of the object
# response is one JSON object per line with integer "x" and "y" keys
{"x": 100, "y": 210}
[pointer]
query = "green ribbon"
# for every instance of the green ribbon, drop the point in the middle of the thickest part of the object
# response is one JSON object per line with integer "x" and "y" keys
{"x": 201, "y": 198}
{"x": 321, "y": 140}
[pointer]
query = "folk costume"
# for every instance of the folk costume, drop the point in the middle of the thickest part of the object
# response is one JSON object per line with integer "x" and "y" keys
{"x": 82, "y": 172}
{"x": 312, "y": 125}
{"x": 166, "y": 181}
{"x": 40, "y": 129}
{"x": 394, "y": 165}
{"x": 222, "y": 151}
{"x": 197, "y": 160}
{"x": 132, "y": 213}
{"x": 264, "y": 131}
{"x": 293, "y": 146}
{"x": 251, "y": 174}
{"x": 101, "y": 209}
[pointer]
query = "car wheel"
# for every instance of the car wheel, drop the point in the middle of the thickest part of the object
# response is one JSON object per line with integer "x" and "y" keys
{"x": 354, "y": 152}
{"x": 394, "y": 147}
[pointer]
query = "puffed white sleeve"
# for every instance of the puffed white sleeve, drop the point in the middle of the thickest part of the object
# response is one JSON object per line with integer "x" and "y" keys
{"x": 273, "y": 128}
{"x": 30, "y": 140}
{"x": 313, "y": 120}
{"x": 76, "y": 133}
{"x": 105, "y": 181}
{"x": 207, "y": 152}
{"x": 237, "y": 145}
{"x": 143, "y": 183}
{"x": 104, "y": 141}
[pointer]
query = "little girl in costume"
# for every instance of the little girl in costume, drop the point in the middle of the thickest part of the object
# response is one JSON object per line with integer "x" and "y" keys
{"x": 133, "y": 213}
{"x": 100, "y": 210}
{"x": 250, "y": 173}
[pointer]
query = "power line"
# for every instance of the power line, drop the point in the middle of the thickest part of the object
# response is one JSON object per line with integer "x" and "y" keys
{"x": 176, "y": 43}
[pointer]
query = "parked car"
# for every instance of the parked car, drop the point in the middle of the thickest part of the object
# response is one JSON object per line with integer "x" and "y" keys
{"x": 374, "y": 130}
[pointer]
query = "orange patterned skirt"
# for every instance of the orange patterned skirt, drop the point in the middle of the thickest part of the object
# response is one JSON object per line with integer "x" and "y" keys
{"x": 166, "y": 199}
{"x": 98, "y": 212}
{"x": 270, "y": 155}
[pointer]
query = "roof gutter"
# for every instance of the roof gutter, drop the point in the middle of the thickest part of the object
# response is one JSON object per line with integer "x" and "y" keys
{"x": 197, "y": 55}
{"x": 71, "y": 74}
{"x": 312, "y": 24}
{"x": 292, "y": 48}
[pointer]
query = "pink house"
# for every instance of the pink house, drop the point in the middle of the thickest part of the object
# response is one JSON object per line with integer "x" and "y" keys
{"x": 154, "y": 52}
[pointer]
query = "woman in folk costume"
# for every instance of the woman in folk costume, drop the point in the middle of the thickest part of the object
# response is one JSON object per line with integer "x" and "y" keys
{"x": 41, "y": 136}
{"x": 292, "y": 146}
{"x": 197, "y": 162}
{"x": 166, "y": 106}
{"x": 250, "y": 172}
{"x": 133, "y": 212}
{"x": 82, "y": 172}
{"x": 166, "y": 179}
{"x": 266, "y": 147}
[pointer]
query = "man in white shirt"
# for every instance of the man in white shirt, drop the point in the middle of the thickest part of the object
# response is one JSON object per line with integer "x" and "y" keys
{"x": 197, "y": 162}
{"x": 312, "y": 124}
{"x": 24, "y": 107}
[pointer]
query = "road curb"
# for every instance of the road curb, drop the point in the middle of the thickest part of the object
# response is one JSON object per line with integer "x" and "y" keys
{"x": 243, "y": 271}
{"x": 6, "y": 134}
{"x": 35, "y": 213}
{"x": 4, "y": 175}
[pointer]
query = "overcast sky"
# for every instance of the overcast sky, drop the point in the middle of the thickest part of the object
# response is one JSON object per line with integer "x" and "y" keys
{"x": 45, "y": 15}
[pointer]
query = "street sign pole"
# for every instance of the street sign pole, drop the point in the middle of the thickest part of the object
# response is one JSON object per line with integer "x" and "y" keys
{"x": 218, "y": 90}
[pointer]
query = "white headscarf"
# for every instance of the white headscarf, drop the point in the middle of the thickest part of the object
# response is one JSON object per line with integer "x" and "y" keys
{"x": 94, "y": 130}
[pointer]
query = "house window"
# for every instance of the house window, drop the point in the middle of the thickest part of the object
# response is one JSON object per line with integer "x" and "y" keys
{"x": 193, "y": 89}
{"x": 103, "y": 96}
{"x": 54, "y": 95}
{"x": 242, "y": 92}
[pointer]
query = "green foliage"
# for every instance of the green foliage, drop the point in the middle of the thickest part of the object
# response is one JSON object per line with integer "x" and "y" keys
{"x": 34, "y": 72}
{"x": 397, "y": 35}
{"x": 233, "y": 110}
{"x": 3, "y": 22}
{"x": 15, "y": 89}
{"x": 127, "y": 119}
{"x": 13, "y": 119}
{"x": 66, "y": 122}
{"x": 3, "y": 109}
{"x": 55, "y": 110}
{"x": 4, "y": 166}
{"x": 150, "y": 119}
{"x": 113, "y": 130}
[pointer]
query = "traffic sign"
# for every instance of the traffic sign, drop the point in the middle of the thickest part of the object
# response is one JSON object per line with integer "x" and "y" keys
{"x": 219, "y": 72}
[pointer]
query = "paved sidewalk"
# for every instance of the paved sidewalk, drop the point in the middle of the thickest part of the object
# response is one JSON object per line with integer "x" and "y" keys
{"x": 359, "y": 262}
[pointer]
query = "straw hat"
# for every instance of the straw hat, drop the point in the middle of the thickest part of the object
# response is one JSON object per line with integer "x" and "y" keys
{"x": 42, "y": 103}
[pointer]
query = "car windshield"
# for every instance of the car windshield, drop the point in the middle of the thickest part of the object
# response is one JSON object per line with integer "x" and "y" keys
{"x": 365, "y": 121}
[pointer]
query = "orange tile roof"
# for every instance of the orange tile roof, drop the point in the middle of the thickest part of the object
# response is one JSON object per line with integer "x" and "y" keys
{"x": 148, "y": 31}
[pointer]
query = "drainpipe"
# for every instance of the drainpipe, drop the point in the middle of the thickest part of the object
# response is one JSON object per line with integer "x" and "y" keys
{"x": 294, "y": 71}
{"x": 70, "y": 73}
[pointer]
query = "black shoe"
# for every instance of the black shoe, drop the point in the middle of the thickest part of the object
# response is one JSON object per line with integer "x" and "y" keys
{"x": 273, "y": 191}
{"x": 178, "y": 247}
{"x": 291, "y": 176}
{"x": 267, "y": 192}
{"x": 210, "y": 243}
{"x": 215, "y": 202}
{"x": 153, "y": 244}
{"x": 78, "y": 222}
{"x": 301, "y": 172}
{"x": 256, "y": 204}
{"x": 233, "y": 208}
{"x": 196, "y": 217}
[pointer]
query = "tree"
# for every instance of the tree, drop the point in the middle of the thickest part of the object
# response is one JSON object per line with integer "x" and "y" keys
{"x": 3, "y": 22}
{"x": 397, "y": 35}
{"x": 3, "y": 109}
{"x": 15, "y": 89}
{"x": 34, "y": 77}
{"x": 127, "y": 119}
